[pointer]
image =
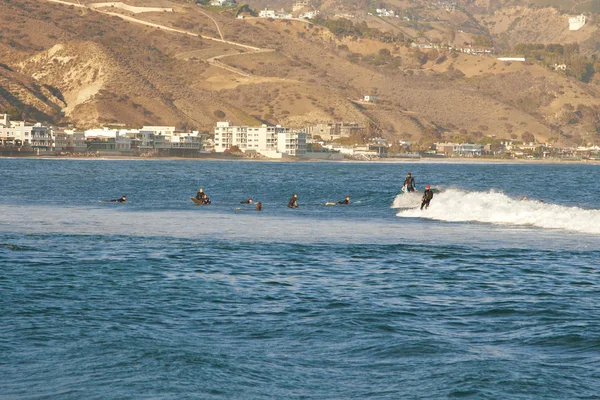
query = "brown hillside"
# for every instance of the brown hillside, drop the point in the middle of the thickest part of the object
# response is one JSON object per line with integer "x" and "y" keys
{"x": 109, "y": 68}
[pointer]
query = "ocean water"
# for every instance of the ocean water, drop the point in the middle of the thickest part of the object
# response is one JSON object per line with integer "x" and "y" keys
{"x": 481, "y": 296}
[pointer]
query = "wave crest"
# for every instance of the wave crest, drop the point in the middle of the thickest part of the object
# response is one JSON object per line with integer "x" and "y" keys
{"x": 454, "y": 205}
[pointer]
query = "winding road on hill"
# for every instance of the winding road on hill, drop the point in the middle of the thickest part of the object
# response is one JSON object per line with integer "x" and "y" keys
{"x": 214, "y": 61}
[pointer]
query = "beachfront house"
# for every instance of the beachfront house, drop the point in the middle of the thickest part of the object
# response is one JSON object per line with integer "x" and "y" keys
{"x": 19, "y": 133}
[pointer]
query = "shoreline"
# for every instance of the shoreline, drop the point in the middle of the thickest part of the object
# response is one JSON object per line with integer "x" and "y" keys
{"x": 427, "y": 160}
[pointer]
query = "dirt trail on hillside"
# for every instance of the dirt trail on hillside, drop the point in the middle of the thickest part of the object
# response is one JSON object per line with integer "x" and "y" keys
{"x": 212, "y": 61}
{"x": 216, "y": 24}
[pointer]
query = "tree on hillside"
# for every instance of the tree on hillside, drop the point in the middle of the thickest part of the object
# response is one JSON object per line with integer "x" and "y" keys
{"x": 429, "y": 136}
{"x": 527, "y": 137}
{"x": 482, "y": 40}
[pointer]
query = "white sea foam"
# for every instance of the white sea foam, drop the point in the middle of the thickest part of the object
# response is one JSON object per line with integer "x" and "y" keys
{"x": 454, "y": 205}
{"x": 407, "y": 200}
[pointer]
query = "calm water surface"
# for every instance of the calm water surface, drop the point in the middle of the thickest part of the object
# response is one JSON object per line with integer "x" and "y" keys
{"x": 481, "y": 296}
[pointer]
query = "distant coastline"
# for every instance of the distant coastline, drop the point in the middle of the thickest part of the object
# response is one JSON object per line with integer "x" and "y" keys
{"x": 390, "y": 160}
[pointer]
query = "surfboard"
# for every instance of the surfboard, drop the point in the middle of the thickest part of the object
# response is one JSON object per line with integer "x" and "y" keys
{"x": 330, "y": 203}
{"x": 198, "y": 202}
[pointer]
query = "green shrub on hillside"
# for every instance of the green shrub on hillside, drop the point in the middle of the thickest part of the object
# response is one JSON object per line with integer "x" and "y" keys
{"x": 578, "y": 66}
{"x": 344, "y": 27}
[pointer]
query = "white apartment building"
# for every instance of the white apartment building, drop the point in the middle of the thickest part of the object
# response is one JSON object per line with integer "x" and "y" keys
{"x": 292, "y": 143}
{"x": 270, "y": 141}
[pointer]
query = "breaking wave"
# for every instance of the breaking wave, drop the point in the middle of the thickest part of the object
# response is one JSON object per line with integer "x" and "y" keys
{"x": 454, "y": 205}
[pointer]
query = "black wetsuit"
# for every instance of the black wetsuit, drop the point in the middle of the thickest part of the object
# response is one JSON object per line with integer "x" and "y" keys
{"x": 409, "y": 182}
{"x": 293, "y": 203}
{"x": 249, "y": 201}
{"x": 427, "y": 196}
{"x": 121, "y": 200}
{"x": 344, "y": 202}
{"x": 205, "y": 200}
{"x": 200, "y": 195}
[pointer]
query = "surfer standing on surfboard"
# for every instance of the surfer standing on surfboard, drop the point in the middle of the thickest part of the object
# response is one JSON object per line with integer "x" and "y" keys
{"x": 409, "y": 184}
{"x": 427, "y": 196}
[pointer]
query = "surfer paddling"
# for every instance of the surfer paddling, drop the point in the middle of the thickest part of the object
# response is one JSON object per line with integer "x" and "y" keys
{"x": 427, "y": 196}
{"x": 345, "y": 201}
{"x": 121, "y": 199}
{"x": 249, "y": 201}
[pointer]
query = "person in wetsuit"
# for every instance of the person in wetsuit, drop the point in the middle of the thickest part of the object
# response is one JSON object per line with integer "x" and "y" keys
{"x": 345, "y": 201}
{"x": 427, "y": 196}
{"x": 293, "y": 203}
{"x": 258, "y": 206}
{"x": 409, "y": 183}
{"x": 121, "y": 199}
{"x": 202, "y": 197}
{"x": 249, "y": 201}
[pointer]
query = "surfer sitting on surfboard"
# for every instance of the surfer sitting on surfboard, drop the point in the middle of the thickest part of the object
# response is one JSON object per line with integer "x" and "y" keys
{"x": 203, "y": 197}
{"x": 293, "y": 203}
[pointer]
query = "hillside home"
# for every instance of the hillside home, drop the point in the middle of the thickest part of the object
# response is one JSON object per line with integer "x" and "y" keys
{"x": 300, "y": 4}
{"x": 222, "y": 3}
{"x": 476, "y": 50}
{"x": 382, "y": 12}
{"x": 576, "y": 23}
{"x": 446, "y": 5}
{"x": 267, "y": 13}
{"x": 560, "y": 67}
{"x": 309, "y": 14}
{"x": 424, "y": 43}
{"x": 371, "y": 98}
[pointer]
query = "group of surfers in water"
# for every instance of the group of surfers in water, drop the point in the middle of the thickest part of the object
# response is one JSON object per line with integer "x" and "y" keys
{"x": 409, "y": 186}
